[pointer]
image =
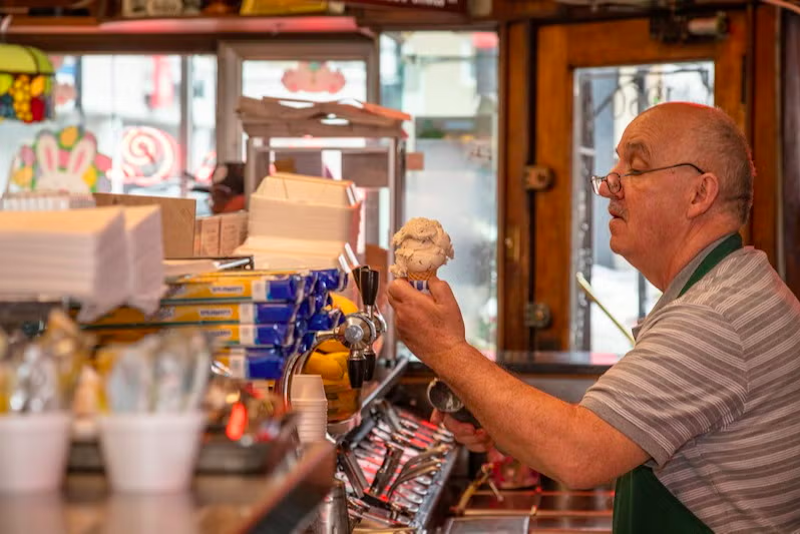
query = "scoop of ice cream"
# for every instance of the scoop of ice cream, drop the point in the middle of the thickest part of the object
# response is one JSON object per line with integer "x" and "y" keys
{"x": 421, "y": 245}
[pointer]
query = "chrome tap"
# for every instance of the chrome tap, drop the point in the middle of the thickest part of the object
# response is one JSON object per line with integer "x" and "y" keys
{"x": 368, "y": 282}
{"x": 358, "y": 332}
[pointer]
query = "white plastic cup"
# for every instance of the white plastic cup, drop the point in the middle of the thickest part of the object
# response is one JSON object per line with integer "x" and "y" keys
{"x": 307, "y": 387}
{"x": 33, "y": 451}
{"x": 151, "y": 453}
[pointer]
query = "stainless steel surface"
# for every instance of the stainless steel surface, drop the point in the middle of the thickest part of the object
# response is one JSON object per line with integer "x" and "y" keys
{"x": 351, "y": 469}
{"x": 215, "y": 504}
{"x": 332, "y": 517}
{"x": 481, "y": 525}
{"x": 341, "y": 428}
{"x": 549, "y": 511}
{"x": 446, "y": 401}
{"x": 411, "y": 474}
{"x": 391, "y": 461}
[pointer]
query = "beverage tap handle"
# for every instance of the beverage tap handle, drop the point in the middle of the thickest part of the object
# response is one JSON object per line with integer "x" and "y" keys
{"x": 369, "y": 283}
{"x": 357, "y": 368}
{"x": 357, "y": 275}
{"x": 371, "y": 363}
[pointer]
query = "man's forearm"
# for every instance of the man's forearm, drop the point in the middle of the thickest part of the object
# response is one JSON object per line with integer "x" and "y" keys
{"x": 550, "y": 435}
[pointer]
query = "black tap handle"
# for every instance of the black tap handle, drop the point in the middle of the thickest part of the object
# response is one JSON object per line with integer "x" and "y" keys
{"x": 356, "y": 370}
{"x": 372, "y": 358}
{"x": 357, "y": 272}
{"x": 370, "y": 281}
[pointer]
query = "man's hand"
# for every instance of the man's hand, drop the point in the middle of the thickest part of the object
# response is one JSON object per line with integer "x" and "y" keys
{"x": 476, "y": 440}
{"x": 429, "y": 325}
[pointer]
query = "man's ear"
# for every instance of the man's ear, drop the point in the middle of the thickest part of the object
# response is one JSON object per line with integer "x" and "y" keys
{"x": 704, "y": 192}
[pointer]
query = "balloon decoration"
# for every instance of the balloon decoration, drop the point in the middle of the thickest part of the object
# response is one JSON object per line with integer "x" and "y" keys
{"x": 62, "y": 161}
{"x": 26, "y": 84}
{"x": 313, "y": 77}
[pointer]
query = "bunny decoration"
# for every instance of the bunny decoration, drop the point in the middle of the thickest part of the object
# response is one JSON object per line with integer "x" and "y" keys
{"x": 51, "y": 177}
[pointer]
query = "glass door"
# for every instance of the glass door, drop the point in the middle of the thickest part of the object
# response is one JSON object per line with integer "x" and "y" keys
{"x": 606, "y": 100}
{"x": 592, "y": 80}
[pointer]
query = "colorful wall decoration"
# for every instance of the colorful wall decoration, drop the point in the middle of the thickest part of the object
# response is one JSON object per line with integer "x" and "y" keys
{"x": 146, "y": 157}
{"x": 64, "y": 161}
{"x": 313, "y": 77}
{"x": 26, "y": 84}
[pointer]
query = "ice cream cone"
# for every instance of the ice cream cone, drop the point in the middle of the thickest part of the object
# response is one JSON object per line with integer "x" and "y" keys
{"x": 421, "y": 275}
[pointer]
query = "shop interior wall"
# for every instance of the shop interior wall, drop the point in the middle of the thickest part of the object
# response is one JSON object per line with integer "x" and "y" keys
{"x": 790, "y": 192}
{"x": 518, "y": 81}
{"x": 516, "y": 78}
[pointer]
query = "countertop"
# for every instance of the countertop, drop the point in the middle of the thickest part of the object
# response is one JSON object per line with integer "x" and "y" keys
{"x": 216, "y": 504}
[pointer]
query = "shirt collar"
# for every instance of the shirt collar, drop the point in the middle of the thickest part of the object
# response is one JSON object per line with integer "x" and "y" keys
{"x": 675, "y": 287}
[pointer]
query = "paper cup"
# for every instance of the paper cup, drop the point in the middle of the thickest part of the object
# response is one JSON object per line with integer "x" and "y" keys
{"x": 33, "y": 451}
{"x": 307, "y": 387}
{"x": 151, "y": 453}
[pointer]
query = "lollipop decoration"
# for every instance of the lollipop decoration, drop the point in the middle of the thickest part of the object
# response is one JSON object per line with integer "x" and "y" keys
{"x": 147, "y": 157}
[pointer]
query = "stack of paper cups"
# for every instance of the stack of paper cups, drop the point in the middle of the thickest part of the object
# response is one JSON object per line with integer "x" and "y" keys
{"x": 308, "y": 399}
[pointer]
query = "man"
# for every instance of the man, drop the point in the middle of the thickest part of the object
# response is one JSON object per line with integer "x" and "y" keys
{"x": 700, "y": 422}
{"x": 227, "y": 191}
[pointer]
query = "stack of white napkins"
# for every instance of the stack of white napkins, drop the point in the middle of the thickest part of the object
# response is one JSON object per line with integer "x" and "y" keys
{"x": 145, "y": 257}
{"x": 94, "y": 256}
{"x": 301, "y": 222}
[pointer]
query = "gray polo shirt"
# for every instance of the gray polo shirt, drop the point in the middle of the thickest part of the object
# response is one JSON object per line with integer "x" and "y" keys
{"x": 711, "y": 392}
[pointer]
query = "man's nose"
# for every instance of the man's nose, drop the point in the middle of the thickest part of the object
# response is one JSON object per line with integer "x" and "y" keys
{"x": 607, "y": 192}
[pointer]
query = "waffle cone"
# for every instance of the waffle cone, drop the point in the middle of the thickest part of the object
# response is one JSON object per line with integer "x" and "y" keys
{"x": 421, "y": 275}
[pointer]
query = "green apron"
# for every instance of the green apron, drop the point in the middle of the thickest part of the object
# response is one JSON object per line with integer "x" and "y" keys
{"x": 642, "y": 504}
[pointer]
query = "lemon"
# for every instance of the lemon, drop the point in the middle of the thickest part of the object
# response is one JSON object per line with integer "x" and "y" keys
{"x": 331, "y": 346}
{"x": 343, "y": 303}
{"x": 37, "y": 86}
{"x": 321, "y": 364}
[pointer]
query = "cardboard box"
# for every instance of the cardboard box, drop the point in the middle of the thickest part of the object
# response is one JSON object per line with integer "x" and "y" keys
{"x": 209, "y": 236}
{"x": 232, "y": 232}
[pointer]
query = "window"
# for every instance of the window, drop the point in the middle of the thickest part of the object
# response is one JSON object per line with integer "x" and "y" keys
{"x": 151, "y": 120}
{"x": 448, "y": 82}
{"x": 606, "y": 100}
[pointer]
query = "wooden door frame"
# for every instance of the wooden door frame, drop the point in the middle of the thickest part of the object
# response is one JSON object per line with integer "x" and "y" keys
{"x": 515, "y": 148}
{"x": 559, "y": 50}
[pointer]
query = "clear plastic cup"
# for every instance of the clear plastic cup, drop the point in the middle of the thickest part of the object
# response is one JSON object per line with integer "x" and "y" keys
{"x": 33, "y": 451}
{"x": 151, "y": 453}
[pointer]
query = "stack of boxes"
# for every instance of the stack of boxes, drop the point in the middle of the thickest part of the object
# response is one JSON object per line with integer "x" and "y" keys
{"x": 257, "y": 318}
{"x": 219, "y": 235}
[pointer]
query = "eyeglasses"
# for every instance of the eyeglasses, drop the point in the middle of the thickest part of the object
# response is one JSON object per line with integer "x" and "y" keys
{"x": 613, "y": 180}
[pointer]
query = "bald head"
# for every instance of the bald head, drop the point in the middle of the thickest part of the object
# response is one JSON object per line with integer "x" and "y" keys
{"x": 710, "y": 139}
